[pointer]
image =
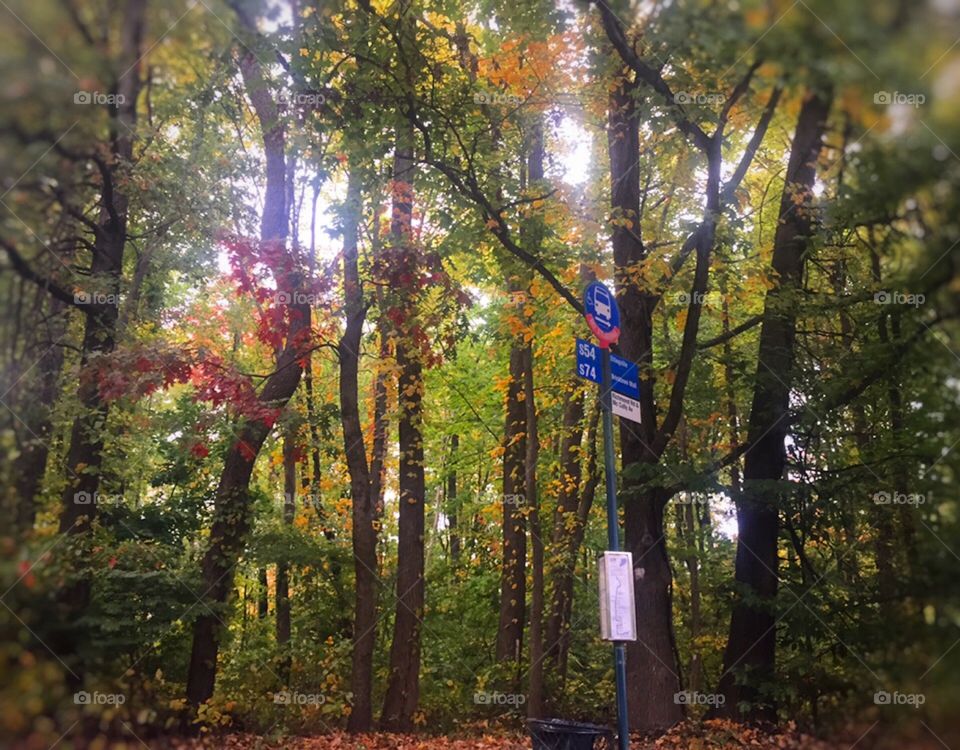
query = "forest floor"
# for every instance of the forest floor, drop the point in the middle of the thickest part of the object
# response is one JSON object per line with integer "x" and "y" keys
{"x": 714, "y": 735}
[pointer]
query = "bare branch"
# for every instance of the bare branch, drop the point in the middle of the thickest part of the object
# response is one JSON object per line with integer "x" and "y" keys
{"x": 726, "y": 195}
{"x": 738, "y": 91}
{"x": 23, "y": 268}
{"x": 650, "y": 76}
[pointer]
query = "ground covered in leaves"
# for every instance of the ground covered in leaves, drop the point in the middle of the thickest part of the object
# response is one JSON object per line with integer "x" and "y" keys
{"x": 712, "y": 735}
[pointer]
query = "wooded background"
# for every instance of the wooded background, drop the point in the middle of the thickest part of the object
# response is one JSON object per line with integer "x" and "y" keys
{"x": 291, "y": 435}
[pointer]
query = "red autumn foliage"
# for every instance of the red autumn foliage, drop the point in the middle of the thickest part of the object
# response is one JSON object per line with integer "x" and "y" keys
{"x": 268, "y": 272}
{"x": 199, "y": 450}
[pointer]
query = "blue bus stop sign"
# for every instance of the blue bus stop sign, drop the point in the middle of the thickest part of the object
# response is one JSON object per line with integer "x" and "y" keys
{"x": 603, "y": 317}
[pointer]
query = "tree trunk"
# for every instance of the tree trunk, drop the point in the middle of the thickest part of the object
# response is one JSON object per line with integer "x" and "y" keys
{"x": 31, "y": 464}
{"x": 564, "y": 522}
{"x": 513, "y": 576}
{"x": 652, "y": 670}
{"x": 535, "y": 698}
{"x": 691, "y": 530}
{"x": 453, "y": 505}
{"x": 749, "y": 657}
{"x": 563, "y": 591}
{"x": 403, "y": 687}
{"x": 232, "y": 510}
{"x": 85, "y": 454}
{"x": 515, "y": 491}
{"x": 364, "y": 533}
{"x": 889, "y": 332}
{"x": 263, "y": 594}
{"x": 283, "y": 567}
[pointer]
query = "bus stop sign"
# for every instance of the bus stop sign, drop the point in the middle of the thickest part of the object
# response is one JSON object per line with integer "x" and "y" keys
{"x": 602, "y": 314}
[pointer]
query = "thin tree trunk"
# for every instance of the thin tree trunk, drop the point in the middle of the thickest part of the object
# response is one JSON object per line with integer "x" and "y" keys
{"x": 453, "y": 505}
{"x": 283, "y": 567}
{"x": 364, "y": 534}
{"x": 312, "y": 486}
{"x": 564, "y": 597}
{"x": 567, "y": 533}
{"x": 889, "y": 332}
{"x": 535, "y": 698}
{"x": 263, "y": 594}
{"x": 564, "y": 522}
{"x": 289, "y": 456}
{"x": 31, "y": 464}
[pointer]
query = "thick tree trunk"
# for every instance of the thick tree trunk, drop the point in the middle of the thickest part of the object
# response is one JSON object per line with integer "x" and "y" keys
{"x": 652, "y": 671}
{"x": 85, "y": 454}
{"x": 232, "y": 514}
{"x": 403, "y": 687}
{"x": 749, "y": 657}
{"x": 381, "y": 397}
{"x": 232, "y": 510}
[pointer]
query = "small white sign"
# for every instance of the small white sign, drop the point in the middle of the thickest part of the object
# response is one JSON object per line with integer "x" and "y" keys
{"x": 625, "y": 407}
{"x": 618, "y": 616}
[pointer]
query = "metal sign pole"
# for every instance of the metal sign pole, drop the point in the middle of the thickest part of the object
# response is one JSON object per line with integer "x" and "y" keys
{"x": 617, "y": 608}
{"x": 613, "y": 538}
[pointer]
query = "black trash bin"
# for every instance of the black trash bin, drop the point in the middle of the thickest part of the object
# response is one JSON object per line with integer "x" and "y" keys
{"x": 559, "y": 734}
